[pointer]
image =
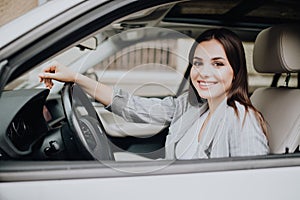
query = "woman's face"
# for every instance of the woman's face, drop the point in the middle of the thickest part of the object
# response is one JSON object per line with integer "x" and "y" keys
{"x": 211, "y": 73}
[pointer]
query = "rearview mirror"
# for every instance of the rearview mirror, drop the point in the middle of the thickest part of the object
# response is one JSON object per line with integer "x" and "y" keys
{"x": 90, "y": 43}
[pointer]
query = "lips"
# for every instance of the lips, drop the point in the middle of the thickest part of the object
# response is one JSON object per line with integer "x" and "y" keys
{"x": 206, "y": 84}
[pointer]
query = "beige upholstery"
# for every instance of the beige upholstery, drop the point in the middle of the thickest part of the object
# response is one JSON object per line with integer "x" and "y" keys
{"x": 277, "y": 50}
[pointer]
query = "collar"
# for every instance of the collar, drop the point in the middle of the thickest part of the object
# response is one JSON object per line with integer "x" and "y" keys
{"x": 180, "y": 127}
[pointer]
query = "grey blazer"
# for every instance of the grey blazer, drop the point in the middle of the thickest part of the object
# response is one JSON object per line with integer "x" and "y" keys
{"x": 225, "y": 135}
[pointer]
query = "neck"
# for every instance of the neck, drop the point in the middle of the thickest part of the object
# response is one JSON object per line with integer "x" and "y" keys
{"x": 213, "y": 103}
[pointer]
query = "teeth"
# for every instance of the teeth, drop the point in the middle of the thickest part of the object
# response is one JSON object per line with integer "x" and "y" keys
{"x": 205, "y": 83}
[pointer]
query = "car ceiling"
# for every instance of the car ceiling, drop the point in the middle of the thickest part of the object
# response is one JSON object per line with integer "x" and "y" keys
{"x": 236, "y": 12}
{"x": 246, "y": 17}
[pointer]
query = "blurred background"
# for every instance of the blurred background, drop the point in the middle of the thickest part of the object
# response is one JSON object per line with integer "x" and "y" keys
{"x": 10, "y": 9}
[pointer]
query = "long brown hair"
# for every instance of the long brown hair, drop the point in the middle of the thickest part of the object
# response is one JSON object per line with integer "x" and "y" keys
{"x": 236, "y": 56}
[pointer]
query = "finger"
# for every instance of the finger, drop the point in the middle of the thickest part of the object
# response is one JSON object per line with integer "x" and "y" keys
{"x": 41, "y": 77}
{"x": 50, "y": 68}
{"x": 47, "y": 75}
{"x": 51, "y": 83}
{"x": 46, "y": 69}
{"x": 53, "y": 68}
{"x": 48, "y": 83}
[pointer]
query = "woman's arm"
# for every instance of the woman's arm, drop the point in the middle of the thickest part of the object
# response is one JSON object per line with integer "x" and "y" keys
{"x": 99, "y": 91}
{"x": 143, "y": 110}
{"x": 59, "y": 72}
{"x": 131, "y": 108}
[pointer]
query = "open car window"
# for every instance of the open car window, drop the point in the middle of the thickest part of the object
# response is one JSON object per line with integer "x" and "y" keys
{"x": 146, "y": 56}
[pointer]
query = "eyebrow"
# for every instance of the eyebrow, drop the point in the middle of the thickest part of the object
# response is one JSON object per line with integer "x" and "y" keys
{"x": 216, "y": 58}
{"x": 195, "y": 57}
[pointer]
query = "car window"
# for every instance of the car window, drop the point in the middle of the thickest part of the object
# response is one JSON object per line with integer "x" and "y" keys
{"x": 145, "y": 61}
{"x": 151, "y": 68}
{"x": 47, "y": 139}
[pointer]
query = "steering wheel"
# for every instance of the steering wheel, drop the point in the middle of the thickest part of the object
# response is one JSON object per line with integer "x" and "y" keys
{"x": 85, "y": 123}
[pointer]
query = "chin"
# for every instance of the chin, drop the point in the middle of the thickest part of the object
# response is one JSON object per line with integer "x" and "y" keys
{"x": 205, "y": 95}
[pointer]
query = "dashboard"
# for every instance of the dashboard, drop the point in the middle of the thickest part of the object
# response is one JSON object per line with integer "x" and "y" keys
{"x": 24, "y": 121}
{"x": 34, "y": 126}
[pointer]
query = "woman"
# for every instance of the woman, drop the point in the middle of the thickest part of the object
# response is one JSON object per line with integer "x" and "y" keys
{"x": 225, "y": 124}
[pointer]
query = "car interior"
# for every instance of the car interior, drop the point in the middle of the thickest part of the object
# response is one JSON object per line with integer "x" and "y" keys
{"x": 275, "y": 52}
{"x": 67, "y": 124}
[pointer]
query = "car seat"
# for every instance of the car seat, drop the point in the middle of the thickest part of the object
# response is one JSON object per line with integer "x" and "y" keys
{"x": 277, "y": 50}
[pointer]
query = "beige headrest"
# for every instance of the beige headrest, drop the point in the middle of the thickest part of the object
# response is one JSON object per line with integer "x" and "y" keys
{"x": 277, "y": 49}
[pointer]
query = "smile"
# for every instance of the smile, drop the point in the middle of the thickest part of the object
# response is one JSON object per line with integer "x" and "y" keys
{"x": 206, "y": 84}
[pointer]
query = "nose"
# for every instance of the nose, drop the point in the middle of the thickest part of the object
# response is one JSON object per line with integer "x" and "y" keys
{"x": 205, "y": 70}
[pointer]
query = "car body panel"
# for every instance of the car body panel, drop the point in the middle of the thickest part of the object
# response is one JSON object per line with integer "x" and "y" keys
{"x": 247, "y": 185}
{"x": 235, "y": 179}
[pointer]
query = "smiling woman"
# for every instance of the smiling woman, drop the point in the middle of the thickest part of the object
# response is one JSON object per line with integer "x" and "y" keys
{"x": 211, "y": 74}
{"x": 219, "y": 73}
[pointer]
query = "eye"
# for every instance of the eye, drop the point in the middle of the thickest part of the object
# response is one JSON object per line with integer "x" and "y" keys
{"x": 218, "y": 64}
{"x": 197, "y": 63}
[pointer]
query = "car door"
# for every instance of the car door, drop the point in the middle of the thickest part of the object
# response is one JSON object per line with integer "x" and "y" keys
{"x": 257, "y": 177}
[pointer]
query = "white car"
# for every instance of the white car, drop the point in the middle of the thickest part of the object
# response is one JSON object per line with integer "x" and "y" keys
{"x": 63, "y": 144}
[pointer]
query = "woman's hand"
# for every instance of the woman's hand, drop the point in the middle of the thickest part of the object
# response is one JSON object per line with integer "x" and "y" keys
{"x": 56, "y": 71}
{"x": 59, "y": 72}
